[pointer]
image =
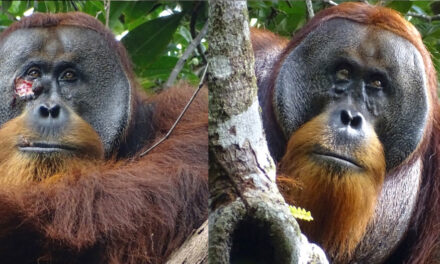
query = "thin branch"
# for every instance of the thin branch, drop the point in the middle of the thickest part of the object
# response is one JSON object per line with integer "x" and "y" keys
{"x": 75, "y": 7}
{"x": 425, "y": 17}
{"x": 107, "y": 12}
{"x": 192, "y": 29}
{"x": 310, "y": 11}
{"x": 189, "y": 50}
{"x": 98, "y": 13}
{"x": 181, "y": 114}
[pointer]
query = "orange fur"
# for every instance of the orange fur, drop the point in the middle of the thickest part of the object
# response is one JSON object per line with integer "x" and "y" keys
{"x": 263, "y": 39}
{"x": 87, "y": 210}
{"x": 18, "y": 167}
{"x": 121, "y": 208}
{"x": 422, "y": 238}
{"x": 342, "y": 200}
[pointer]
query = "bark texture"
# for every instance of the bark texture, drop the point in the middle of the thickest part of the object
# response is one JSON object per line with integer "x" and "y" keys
{"x": 194, "y": 250}
{"x": 249, "y": 220}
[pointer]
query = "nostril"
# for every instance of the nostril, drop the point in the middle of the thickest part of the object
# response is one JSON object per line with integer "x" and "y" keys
{"x": 49, "y": 118}
{"x": 345, "y": 117}
{"x": 55, "y": 111}
{"x": 356, "y": 122}
{"x": 44, "y": 111}
{"x": 339, "y": 90}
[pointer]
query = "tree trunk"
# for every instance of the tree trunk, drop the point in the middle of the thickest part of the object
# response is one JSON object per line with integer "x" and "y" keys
{"x": 194, "y": 250}
{"x": 249, "y": 221}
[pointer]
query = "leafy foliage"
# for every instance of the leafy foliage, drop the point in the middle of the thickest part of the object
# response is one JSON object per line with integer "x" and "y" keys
{"x": 286, "y": 17}
{"x": 155, "y": 33}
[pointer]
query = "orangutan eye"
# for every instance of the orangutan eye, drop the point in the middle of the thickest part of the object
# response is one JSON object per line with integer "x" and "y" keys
{"x": 343, "y": 74}
{"x": 33, "y": 73}
{"x": 376, "y": 84}
{"x": 68, "y": 75}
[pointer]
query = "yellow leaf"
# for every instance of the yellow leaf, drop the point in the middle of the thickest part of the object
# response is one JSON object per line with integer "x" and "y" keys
{"x": 300, "y": 213}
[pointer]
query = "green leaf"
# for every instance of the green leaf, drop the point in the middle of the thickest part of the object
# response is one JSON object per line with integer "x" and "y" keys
{"x": 18, "y": 7}
{"x": 186, "y": 35}
{"x": 136, "y": 13}
{"x": 138, "y": 8}
{"x": 6, "y": 5}
{"x": 159, "y": 71}
{"x": 401, "y": 6}
{"x": 94, "y": 8}
{"x": 4, "y": 22}
{"x": 146, "y": 42}
{"x": 116, "y": 8}
{"x": 47, "y": 6}
{"x": 186, "y": 6}
{"x": 161, "y": 68}
{"x": 433, "y": 33}
{"x": 258, "y": 5}
{"x": 435, "y": 7}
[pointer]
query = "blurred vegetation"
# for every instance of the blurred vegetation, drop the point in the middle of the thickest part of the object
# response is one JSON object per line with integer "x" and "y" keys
{"x": 286, "y": 17}
{"x": 155, "y": 33}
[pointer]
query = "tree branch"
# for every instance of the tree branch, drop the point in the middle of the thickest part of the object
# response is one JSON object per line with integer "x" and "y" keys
{"x": 189, "y": 50}
{"x": 194, "y": 250}
{"x": 425, "y": 17}
{"x": 248, "y": 219}
{"x": 75, "y": 7}
{"x": 192, "y": 28}
{"x": 180, "y": 116}
{"x": 107, "y": 12}
{"x": 310, "y": 11}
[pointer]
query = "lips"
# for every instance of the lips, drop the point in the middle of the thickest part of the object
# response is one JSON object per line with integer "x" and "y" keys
{"x": 43, "y": 147}
{"x": 336, "y": 158}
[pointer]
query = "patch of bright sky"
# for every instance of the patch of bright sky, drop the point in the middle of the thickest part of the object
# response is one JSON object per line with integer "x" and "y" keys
{"x": 253, "y": 22}
{"x": 169, "y": 11}
{"x": 28, "y": 12}
{"x": 120, "y": 36}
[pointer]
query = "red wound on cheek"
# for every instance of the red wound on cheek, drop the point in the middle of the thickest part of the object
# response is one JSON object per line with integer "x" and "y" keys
{"x": 23, "y": 87}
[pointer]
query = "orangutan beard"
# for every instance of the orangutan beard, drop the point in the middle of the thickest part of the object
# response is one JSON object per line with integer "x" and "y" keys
{"x": 20, "y": 167}
{"x": 341, "y": 198}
